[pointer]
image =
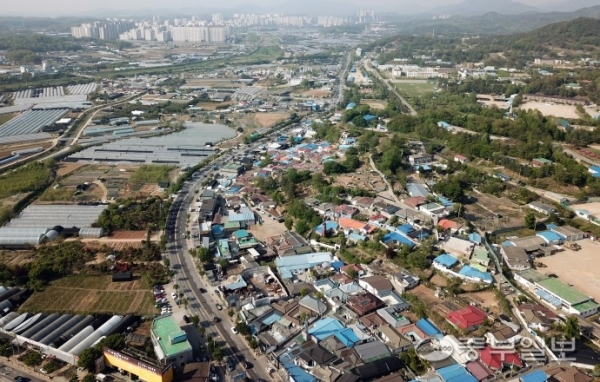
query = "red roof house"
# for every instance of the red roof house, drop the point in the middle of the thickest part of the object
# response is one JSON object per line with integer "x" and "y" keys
{"x": 467, "y": 318}
{"x": 497, "y": 359}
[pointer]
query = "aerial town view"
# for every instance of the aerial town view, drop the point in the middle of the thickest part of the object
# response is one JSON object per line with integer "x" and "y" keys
{"x": 380, "y": 191}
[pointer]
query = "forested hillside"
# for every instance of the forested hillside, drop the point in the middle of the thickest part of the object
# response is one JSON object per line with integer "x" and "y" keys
{"x": 579, "y": 34}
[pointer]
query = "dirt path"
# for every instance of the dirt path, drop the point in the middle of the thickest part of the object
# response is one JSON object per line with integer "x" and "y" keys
{"x": 103, "y": 188}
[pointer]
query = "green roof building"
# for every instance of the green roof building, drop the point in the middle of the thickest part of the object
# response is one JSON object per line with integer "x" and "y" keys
{"x": 574, "y": 301}
{"x": 170, "y": 342}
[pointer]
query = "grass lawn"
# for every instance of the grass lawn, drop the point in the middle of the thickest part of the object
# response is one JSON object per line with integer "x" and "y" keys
{"x": 92, "y": 294}
{"x": 410, "y": 89}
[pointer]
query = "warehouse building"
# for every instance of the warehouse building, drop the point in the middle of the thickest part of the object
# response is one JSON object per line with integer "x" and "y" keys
{"x": 556, "y": 294}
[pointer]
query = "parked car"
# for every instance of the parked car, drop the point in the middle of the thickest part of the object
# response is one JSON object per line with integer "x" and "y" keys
{"x": 219, "y": 307}
{"x": 186, "y": 319}
{"x": 234, "y": 330}
{"x": 230, "y": 365}
{"x": 247, "y": 365}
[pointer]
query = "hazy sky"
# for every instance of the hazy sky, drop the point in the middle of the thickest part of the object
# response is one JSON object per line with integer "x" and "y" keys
{"x": 77, "y": 7}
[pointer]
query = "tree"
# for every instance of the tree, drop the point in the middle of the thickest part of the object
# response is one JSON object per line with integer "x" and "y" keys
{"x": 217, "y": 354}
{"x": 87, "y": 358}
{"x": 302, "y": 227}
{"x": 289, "y": 223}
{"x": 303, "y": 316}
{"x": 304, "y": 292}
{"x": 204, "y": 255}
{"x": 352, "y": 273}
{"x": 230, "y": 313}
{"x": 530, "y": 220}
{"x": 114, "y": 341}
{"x": 571, "y": 328}
{"x": 195, "y": 320}
{"x": 242, "y": 328}
{"x": 223, "y": 263}
{"x": 89, "y": 378}
{"x": 74, "y": 378}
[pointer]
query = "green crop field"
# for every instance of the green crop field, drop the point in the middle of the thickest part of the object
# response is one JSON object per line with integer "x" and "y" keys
{"x": 411, "y": 89}
{"x": 92, "y": 294}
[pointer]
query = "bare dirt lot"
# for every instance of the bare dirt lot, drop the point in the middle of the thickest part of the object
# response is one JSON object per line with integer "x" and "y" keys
{"x": 92, "y": 294}
{"x": 269, "y": 228}
{"x": 214, "y": 82}
{"x": 484, "y": 299}
{"x": 270, "y": 119}
{"x": 548, "y": 109}
{"x": 593, "y": 207}
{"x": 67, "y": 168}
{"x": 577, "y": 268}
{"x": 316, "y": 93}
{"x": 492, "y": 213}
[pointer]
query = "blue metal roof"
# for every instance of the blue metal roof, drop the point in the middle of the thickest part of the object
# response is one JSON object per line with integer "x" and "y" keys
{"x": 217, "y": 230}
{"x": 427, "y": 327}
{"x": 455, "y": 373}
{"x": 286, "y": 265}
{"x": 241, "y": 234}
{"x": 337, "y": 265}
{"x": 357, "y": 237}
{"x": 446, "y": 260}
{"x": 347, "y": 337}
{"x": 326, "y": 327}
{"x": 475, "y": 238}
{"x": 415, "y": 189}
{"x": 535, "y": 376}
{"x": 595, "y": 170}
{"x": 555, "y": 302}
{"x": 445, "y": 201}
{"x": 298, "y": 374}
{"x": 405, "y": 228}
{"x": 550, "y": 236}
{"x": 369, "y": 117}
{"x": 551, "y": 226}
{"x": 395, "y": 236}
{"x": 467, "y": 270}
{"x": 329, "y": 225}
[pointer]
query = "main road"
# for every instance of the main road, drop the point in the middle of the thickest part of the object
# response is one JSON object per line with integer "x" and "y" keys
{"x": 390, "y": 87}
{"x": 202, "y": 297}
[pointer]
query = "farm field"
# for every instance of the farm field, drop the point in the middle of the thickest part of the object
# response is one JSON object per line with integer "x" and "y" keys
{"x": 414, "y": 89}
{"x": 92, "y": 294}
{"x": 270, "y": 119}
{"x": 316, "y": 93}
{"x": 128, "y": 235}
{"x": 374, "y": 104}
{"x": 573, "y": 267}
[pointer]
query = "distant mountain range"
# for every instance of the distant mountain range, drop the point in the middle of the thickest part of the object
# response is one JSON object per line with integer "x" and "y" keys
{"x": 481, "y": 7}
{"x": 338, "y": 8}
{"x": 492, "y": 23}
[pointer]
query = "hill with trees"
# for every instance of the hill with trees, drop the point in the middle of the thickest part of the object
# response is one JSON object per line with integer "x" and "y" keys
{"x": 581, "y": 34}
